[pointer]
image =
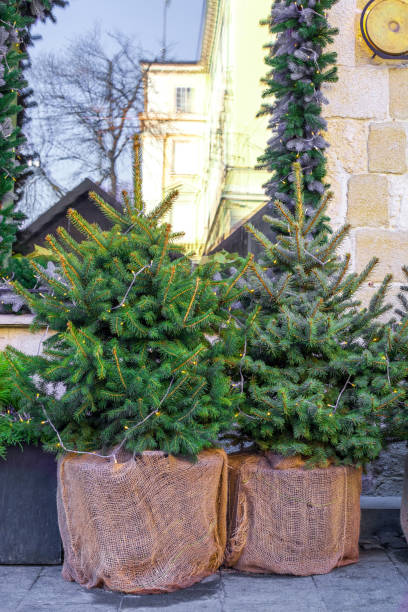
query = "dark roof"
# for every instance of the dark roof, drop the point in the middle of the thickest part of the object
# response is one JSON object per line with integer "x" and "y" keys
{"x": 242, "y": 242}
{"x": 55, "y": 216}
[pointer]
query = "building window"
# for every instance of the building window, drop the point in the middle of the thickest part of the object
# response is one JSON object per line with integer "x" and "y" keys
{"x": 185, "y": 157}
{"x": 184, "y": 96}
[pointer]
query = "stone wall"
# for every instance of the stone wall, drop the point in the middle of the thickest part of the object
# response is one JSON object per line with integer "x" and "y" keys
{"x": 368, "y": 127}
{"x": 385, "y": 476}
{"x": 15, "y": 331}
{"x": 367, "y": 162}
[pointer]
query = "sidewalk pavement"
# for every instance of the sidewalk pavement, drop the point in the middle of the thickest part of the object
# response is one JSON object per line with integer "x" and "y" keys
{"x": 378, "y": 583}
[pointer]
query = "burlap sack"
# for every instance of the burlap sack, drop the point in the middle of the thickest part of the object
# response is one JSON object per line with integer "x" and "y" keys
{"x": 404, "y": 502}
{"x": 293, "y": 520}
{"x": 145, "y": 525}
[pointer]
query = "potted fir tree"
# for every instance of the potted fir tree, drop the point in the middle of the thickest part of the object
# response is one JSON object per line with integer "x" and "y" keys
{"x": 394, "y": 351}
{"x": 133, "y": 386}
{"x": 313, "y": 395}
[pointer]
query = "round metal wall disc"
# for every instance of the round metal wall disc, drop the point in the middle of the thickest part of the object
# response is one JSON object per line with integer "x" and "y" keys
{"x": 387, "y": 26}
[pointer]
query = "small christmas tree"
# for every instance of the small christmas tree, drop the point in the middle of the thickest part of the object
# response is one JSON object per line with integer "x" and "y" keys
{"x": 136, "y": 345}
{"x": 299, "y": 68}
{"x": 309, "y": 366}
{"x": 393, "y": 354}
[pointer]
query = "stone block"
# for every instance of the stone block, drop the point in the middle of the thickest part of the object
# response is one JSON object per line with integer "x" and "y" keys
{"x": 348, "y": 144}
{"x": 387, "y": 148}
{"x": 15, "y": 331}
{"x": 368, "y": 200}
{"x": 374, "y": 580}
{"x": 398, "y": 188}
{"x": 367, "y": 291}
{"x": 360, "y": 93}
{"x": 391, "y": 247}
{"x": 399, "y": 93}
{"x": 342, "y": 17}
{"x": 337, "y": 179}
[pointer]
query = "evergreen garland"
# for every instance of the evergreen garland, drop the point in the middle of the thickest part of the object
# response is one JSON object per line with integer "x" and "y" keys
{"x": 299, "y": 69}
{"x": 16, "y": 18}
{"x": 11, "y": 81}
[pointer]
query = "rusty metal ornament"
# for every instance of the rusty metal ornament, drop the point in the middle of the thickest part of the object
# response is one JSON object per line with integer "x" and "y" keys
{"x": 384, "y": 26}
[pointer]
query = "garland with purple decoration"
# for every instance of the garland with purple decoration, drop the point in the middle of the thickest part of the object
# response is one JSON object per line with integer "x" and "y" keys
{"x": 16, "y": 19}
{"x": 299, "y": 67}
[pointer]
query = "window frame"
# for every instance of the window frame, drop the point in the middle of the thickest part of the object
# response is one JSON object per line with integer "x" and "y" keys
{"x": 184, "y": 100}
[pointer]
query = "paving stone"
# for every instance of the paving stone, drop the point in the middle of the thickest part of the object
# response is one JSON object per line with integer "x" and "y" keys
{"x": 62, "y": 607}
{"x": 15, "y": 582}
{"x": 191, "y": 606}
{"x": 204, "y": 595}
{"x": 373, "y": 584}
{"x": 280, "y": 605}
{"x": 18, "y": 576}
{"x": 10, "y": 602}
{"x": 51, "y": 590}
{"x": 270, "y": 592}
{"x": 378, "y": 583}
{"x": 400, "y": 559}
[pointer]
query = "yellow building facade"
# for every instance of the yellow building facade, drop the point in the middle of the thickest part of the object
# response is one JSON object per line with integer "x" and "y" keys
{"x": 200, "y": 129}
{"x": 208, "y": 138}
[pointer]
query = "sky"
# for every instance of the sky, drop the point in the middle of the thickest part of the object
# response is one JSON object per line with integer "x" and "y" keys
{"x": 142, "y": 19}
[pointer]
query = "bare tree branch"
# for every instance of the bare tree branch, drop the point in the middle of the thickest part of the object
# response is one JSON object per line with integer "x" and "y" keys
{"x": 89, "y": 100}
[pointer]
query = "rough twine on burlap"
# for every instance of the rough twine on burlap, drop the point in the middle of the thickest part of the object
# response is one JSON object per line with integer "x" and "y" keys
{"x": 404, "y": 502}
{"x": 286, "y": 519}
{"x": 145, "y": 525}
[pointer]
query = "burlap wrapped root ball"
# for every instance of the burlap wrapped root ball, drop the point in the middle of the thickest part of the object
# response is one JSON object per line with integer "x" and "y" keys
{"x": 147, "y": 524}
{"x": 286, "y": 519}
